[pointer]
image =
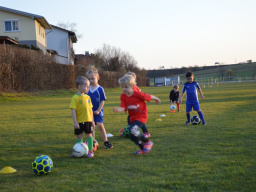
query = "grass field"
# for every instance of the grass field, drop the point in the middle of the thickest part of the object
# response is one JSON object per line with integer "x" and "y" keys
{"x": 218, "y": 157}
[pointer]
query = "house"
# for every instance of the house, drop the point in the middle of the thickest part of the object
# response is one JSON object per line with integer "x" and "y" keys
{"x": 61, "y": 41}
{"x": 25, "y": 28}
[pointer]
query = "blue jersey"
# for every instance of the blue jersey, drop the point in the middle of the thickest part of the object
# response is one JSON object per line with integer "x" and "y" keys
{"x": 97, "y": 95}
{"x": 190, "y": 88}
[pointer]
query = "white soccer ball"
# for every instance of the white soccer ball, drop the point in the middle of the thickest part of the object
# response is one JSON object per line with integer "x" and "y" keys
{"x": 80, "y": 149}
{"x": 195, "y": 120}
{"x": 172, "y": 107}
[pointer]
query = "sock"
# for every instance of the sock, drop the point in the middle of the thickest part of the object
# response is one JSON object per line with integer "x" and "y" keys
{"x": 201, "y": 116}
{"x": 79, "y": 140}
{"x": 90, "y": 143}
{"x": 178, "y": 105}
{"x": 188, "y": 117}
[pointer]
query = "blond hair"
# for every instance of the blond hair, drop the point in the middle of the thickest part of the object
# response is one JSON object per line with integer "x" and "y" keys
{"x": 176, "y": 87}
{"x": 81, "y": 80}
{"x": 132, "y": 74}
{"x": 92, "y": 70}
{"x": 127, "y": 80}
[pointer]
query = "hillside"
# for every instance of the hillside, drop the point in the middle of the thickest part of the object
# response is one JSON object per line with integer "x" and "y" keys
{"x": 243, "y": 71}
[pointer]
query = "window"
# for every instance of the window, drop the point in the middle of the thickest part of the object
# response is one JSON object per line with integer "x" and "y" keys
{"x": 11, "y": 25}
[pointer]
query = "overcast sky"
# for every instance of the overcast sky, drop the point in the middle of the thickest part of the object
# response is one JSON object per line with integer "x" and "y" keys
{"x": 169, "y": 33}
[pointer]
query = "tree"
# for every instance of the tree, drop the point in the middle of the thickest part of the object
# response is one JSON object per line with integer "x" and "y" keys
{"x": 229, "y": 72}
{"x": 70, "y": 27}
{"x": 110, "y": 58}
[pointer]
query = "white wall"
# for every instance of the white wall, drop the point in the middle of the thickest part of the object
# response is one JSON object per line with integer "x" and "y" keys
{"x": 57, "y": 40}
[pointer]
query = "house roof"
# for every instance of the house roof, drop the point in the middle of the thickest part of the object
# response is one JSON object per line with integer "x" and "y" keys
{"x": 8, "y": 40}
{"x": 71, "y": 34}
{"x": 38, "y": 18}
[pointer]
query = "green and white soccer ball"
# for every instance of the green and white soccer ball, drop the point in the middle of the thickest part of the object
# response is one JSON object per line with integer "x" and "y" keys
{"x": 172, "y": 107}
{"x": 42, "y": 165}
{"x": 80, "y": 149}
{"x": 126, "y": 131}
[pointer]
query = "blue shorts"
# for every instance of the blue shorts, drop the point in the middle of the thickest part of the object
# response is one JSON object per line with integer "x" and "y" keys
{"x": 98, "y": 118}
{"x": 194, "y": 105}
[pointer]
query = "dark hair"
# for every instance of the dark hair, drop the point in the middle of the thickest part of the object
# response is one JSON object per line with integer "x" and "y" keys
{"x": 189, "y": 74}
{"x": 81, "y": 80}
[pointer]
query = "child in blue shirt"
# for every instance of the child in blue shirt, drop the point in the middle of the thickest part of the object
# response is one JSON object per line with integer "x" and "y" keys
{"x": 192, "y": 99}
{"x": 97, "y": 94}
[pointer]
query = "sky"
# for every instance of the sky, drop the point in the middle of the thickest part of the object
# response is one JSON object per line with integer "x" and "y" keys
{"x": 157, "y": 33}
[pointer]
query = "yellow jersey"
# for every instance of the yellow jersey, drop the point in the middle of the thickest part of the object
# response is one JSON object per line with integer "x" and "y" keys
{"x": 83, "y": 106}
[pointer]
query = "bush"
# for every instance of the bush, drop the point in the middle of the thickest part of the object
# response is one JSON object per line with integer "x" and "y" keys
{"x": 29, "y": 70}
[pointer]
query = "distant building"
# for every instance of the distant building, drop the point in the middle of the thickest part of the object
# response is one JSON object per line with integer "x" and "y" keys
{"x": 24, "y": 28}
{"x": 61, "y": 42}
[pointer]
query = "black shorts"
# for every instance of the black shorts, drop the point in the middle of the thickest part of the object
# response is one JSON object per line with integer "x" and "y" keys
{"x": 84, "y": 127}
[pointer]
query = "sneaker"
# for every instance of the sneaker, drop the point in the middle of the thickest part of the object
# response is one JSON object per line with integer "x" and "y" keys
{"x": 72, "y": 155}
{"x": 90, "y": 155}
{"x": 108, "y": 145}
{"x": 188, "y": 122}
{"x": 147, "y": 135}
{"x": 178, "y": 110}
{"x": 121, "y": 135}
{"x": 147, "y": 148}
{"x": 95, "y": 145}
{"x": 138, "y": 152}
{"x": 95, "y": 142}
{"x": 148, "y": 145}
{"x": 204, "y": 123}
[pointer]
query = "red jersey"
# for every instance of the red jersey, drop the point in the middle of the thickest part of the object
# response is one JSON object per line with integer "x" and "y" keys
{"x": 136, "y": 88}
{"x": 136, "y": 106}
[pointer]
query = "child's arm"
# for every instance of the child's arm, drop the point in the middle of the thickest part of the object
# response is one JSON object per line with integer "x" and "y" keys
{"x": 119, "y": 109}
{"x": 201, "y": 93}
{"x": 100, "y": 107}
{"x": 180, "y": 99}
{"x": 156, "y": 99}
{"x": 76, "y": 125}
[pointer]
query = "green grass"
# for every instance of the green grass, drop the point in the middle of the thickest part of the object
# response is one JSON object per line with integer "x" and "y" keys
{"x": 217, "y": 157}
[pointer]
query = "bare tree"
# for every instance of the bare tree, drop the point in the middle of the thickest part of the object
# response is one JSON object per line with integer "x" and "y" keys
{"x": 70, "y": 27}
{"x": 113, "y": 59}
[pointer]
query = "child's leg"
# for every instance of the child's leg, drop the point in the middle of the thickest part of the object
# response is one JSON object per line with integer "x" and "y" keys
{"x": 102, "y": 131}
{"x": 188, "y": 118}
{"x": 201, "y": 117}
{"x": 79, "y": 138}
{"x": 144, "y": 129}
{"x": 89, "y": 139}
{"x": 178, "y": 105}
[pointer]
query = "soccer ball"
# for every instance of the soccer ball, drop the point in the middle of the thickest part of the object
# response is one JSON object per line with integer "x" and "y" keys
{"x": 172, "y": 107}
{"x": 126, "y": 131}
{"x": 42, "y": 165}
{"x": 80, "y": 149}
{"x": 195, "y": 120}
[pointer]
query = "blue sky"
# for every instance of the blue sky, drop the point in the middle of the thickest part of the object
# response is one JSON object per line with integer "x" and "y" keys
{"x": 156, "y": 33}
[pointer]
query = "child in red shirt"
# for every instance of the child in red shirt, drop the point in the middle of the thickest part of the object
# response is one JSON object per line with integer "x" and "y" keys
{"x": 136, "y": 88}
{"x": 134, "y": 102}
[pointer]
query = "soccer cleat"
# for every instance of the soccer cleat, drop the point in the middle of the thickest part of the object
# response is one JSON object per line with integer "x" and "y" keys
{"x": 95, "y": 142}
{"x": 148, "y": 144}
{"x": 121, "y": 135}
{"x": 204, "y": 123}
{"x": 138, "y": 152}
{"x": 108, "y": 145}
{"x": 178, "y": 110}
{"x": 95, "y": 145}
{"x": 147, "y": 135}
{"x": 187, "y": 123}
{"x": 147, "y": 148}
{"x": 90, "y": 155}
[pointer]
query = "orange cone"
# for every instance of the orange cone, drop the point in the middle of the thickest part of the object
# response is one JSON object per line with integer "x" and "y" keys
{"x": 172, "y": 111}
